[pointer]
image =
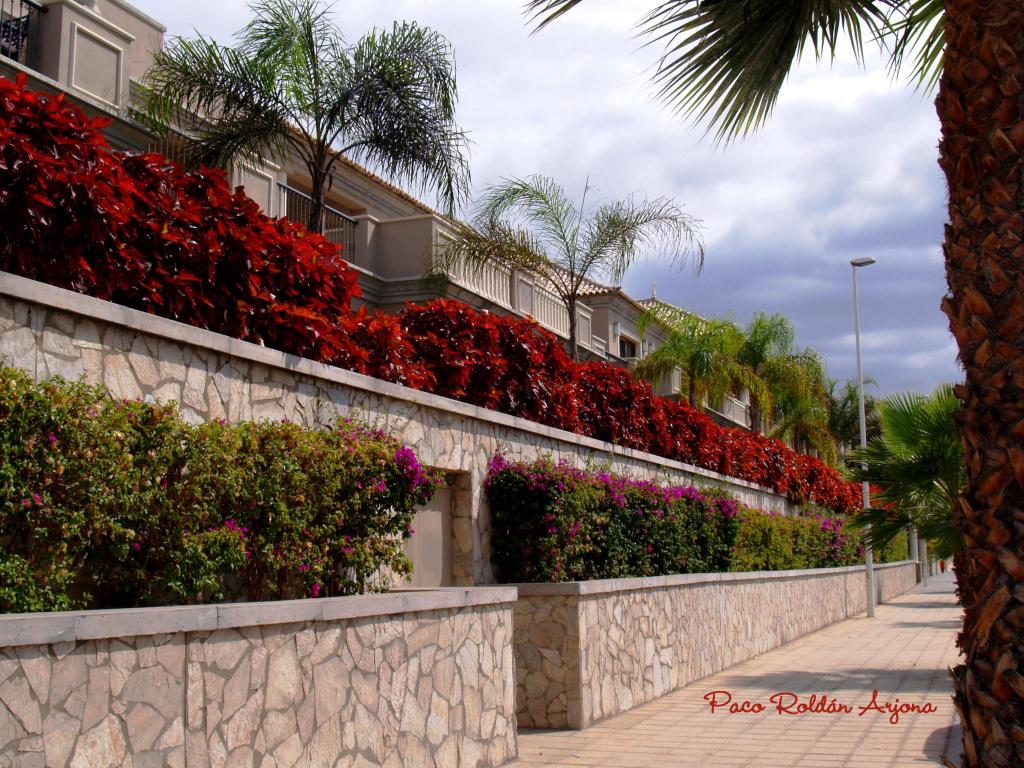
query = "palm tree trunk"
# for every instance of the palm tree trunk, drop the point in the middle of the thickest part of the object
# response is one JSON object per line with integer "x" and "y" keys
{"x": 981, "y": 109}
{"x": 755, "y": 415}
{"x": 315, "y": 222}
{"x": 570, "y": 306}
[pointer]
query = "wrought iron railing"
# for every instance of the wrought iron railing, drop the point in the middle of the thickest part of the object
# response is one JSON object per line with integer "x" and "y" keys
{"x": 337, "y": 227}
{"x": 18, "y": 23}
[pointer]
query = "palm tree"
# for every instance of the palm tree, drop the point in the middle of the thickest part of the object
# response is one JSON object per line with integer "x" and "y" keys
{"x": 768, "y": 350}
{"x": 706, "y": 351}
{"x": 917, "y": 465}
{"x": 844, "y": 416}
{"x": 801, "y": 402}
{"x": 293, "y": 85}
{"x": 531, "y": 225}
{"x": 725, "y": 64}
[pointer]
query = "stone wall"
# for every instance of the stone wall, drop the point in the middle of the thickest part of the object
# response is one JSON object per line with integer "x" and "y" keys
{"x": 894, "y": 579}
{"x": 589, "y": 650}
{"x": 413, "y": 679}
{"x": 49, "y": 332}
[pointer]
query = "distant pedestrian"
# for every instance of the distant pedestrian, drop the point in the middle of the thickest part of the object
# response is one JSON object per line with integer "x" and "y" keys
{"x": 942, "y": 565}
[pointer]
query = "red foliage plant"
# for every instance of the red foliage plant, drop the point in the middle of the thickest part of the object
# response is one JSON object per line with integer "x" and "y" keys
{"x": 140, "y": 231}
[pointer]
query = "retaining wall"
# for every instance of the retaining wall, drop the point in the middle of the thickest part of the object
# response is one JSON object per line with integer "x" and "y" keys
{"x": 50, "y": 332}
{"x": 589, "y": 650}
{"x": 405, "y": 679}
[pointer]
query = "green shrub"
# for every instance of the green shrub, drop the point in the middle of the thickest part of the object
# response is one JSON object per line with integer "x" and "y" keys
{"x": 895, "y": 551}
{"x": 772, "y": 542}
{"x": 106, "y": 503}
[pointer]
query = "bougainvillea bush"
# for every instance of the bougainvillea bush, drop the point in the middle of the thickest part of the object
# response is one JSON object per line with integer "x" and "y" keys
{"x": 140, "y": 231}
{"x": 554, "y": 522}
{"x": 106, "y": 503}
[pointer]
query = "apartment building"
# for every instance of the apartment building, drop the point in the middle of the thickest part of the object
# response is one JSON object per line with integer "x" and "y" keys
{"x": 97, "y": 52}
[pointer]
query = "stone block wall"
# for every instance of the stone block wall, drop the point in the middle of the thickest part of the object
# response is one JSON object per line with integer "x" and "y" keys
{"x": 588, "y": 650}
{"x": 413, "y": 686}
{"x": 48, "y": 332}
{"x": 894, "y": 579}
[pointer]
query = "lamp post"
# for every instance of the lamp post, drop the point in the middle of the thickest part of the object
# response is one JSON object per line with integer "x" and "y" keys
{"x": 869, "y": 566}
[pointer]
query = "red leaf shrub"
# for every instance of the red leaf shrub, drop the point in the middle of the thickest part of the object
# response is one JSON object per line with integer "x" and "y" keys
{"x": 617, "y": 408}
{"x": 495, "y": 361}
{"x": 139, "y": 231}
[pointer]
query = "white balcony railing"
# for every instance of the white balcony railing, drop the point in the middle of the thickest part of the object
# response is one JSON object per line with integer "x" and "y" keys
{"x": 519, "y": 292}
{"x": 491, "y": 281}
{"x": 736, "y": 410}
{"x": 550, "y": 311}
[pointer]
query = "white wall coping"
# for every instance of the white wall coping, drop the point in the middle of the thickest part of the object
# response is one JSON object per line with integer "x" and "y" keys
{"x": 73, "y": 626}
{"x": 24, "y": 289}
{"x": 606, "y": 586}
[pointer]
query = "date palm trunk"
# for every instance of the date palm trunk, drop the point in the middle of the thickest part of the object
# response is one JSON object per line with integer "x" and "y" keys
{"x": 981, "y": 109}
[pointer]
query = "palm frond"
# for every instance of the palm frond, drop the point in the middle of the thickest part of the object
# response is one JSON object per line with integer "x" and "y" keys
{"x": 620, "y": 232}
{"x": 292, "y": 82}
{"x": 400, "y": 114}
{"x": 726, "y": 60}
{"x": 546, "y": 11}
{"x": 235, "y": 98}
{"x": 540, "y": 203}
{"x": 473, "y": 247}
{"x": 917, "y": 462}
{"x": 920, "y": 36}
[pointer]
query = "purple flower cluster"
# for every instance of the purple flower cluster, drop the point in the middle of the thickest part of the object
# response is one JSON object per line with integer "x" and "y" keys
{"x": 407, "y": 461}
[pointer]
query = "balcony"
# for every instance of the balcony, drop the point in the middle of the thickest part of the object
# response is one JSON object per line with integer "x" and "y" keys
{"x": 519, "y": 292}
{"x": 338, "y": 228}
{"x": 19, "y": 29}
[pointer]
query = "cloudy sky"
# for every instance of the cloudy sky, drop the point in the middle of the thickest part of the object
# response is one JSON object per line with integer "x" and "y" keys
{"x": 846, "y": 167}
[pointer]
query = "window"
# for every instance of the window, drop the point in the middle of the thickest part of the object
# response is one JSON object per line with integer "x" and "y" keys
{"x": 627, "y": 347}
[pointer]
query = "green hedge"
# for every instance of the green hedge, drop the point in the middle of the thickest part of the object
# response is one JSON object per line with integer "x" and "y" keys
{"x": 552, "y": 522}
{"x": 107, "y": 503}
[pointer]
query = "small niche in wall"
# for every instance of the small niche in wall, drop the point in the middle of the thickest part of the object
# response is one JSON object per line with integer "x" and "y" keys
{"x": 430, "y": 546}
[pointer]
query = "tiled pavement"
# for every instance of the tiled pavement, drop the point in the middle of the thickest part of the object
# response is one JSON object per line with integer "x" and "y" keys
{"x": 904, "y": 652}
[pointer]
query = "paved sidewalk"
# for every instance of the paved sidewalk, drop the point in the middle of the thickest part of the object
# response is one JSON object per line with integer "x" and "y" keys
{"x": 903, "y": 652}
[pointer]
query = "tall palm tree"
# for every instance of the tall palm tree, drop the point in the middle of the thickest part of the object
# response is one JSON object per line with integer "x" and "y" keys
{"x": 801, "y": 402}
{"x": 768, "y": 349}
{"x": 917, "y": 465}
{"x": 531, "y": 225}
{"x": 292, "y": 84}
{"x": 725, "y": 64}
{"x": 706, "y": 351}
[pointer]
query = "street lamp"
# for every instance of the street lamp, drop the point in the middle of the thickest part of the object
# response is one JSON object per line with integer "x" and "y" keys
{"x": 869, "y": 566}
